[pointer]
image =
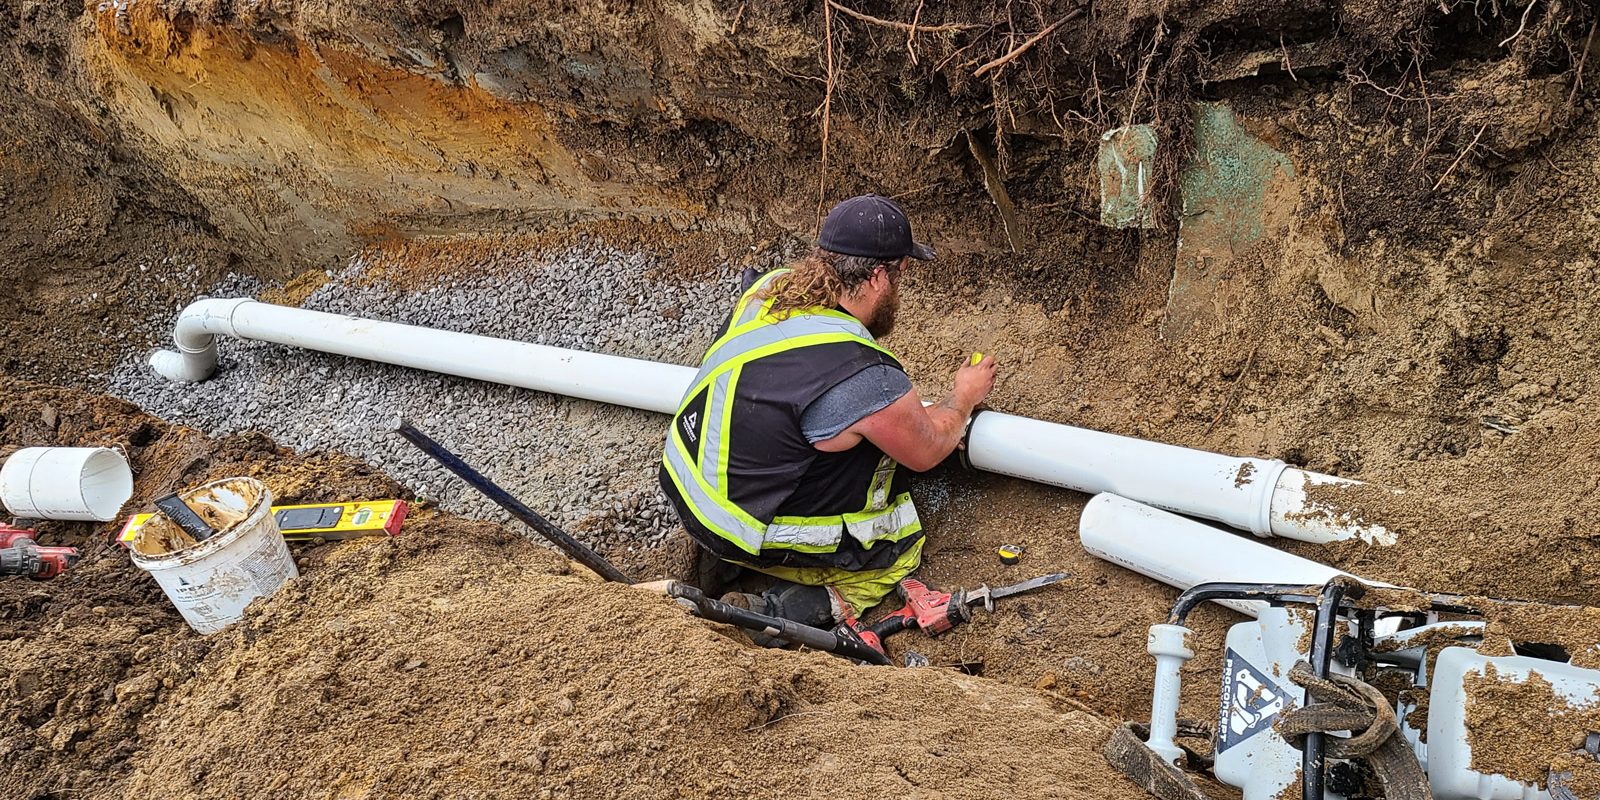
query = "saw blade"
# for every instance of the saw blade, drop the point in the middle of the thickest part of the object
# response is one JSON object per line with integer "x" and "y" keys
{"x": 1027, "y": 585}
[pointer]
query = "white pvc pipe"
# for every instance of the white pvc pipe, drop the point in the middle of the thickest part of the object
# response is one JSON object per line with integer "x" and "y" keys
{"x": 631, "y": 382}
{"x": 86, "y": 484}
{"x": 1184, "y": 553}
{"x": 1265, "y": 497}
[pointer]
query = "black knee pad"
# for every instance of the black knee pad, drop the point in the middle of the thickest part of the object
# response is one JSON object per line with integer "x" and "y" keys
{"x": 807, "y": 605}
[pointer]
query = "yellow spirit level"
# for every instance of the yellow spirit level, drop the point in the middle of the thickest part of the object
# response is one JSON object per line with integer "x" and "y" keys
{"x": 330, "y": 521}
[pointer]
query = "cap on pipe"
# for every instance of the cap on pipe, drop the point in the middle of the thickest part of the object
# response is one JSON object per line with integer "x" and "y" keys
{"x": 86, "y": 484}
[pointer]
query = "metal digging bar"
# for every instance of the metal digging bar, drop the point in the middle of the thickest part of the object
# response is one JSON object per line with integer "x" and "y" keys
{"x": 576, "y": 550}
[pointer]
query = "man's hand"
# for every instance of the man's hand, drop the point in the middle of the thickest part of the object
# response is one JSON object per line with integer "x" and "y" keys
{"x": 916, "y": 436}
{"x": 973, "y": 383}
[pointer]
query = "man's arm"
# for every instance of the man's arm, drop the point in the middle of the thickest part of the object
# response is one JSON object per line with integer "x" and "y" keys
{"x": 921, "y": 436}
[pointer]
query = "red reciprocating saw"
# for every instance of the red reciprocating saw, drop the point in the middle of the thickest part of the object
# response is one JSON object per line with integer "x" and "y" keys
{"x": 21, "y": 555}
{"x": 934, "y": 611}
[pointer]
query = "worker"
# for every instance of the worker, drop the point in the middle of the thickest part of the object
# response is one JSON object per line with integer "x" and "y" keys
{"x": 786, "y": 453}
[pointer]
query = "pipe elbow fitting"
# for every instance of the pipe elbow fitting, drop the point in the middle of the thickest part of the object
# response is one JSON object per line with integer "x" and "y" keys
{"x": 195, "y": 336}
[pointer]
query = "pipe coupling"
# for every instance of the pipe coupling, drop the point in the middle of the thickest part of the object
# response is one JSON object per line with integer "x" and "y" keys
{"x": 1261, "y": 491}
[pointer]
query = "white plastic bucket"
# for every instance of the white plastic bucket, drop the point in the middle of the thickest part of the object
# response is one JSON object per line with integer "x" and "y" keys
{"x": 212, "y": 582}
{"x": 87, "y": 484}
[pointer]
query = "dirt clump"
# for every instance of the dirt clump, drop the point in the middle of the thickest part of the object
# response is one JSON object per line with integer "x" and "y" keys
{"x": 1527, "y": 732}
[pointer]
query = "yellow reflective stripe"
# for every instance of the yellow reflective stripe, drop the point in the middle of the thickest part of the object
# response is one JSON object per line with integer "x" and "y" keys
{"x": 801, "y": 319}
{"x": 882, "y": 479}
{"x": 716, "y": 526}
{"x": 902, "y": 515}
{"x": 803, "y": 548}
{"x": 780, "y": 346}
{"x": 818, "y": 535}
{"x": 725, "y": 431}
{"x": 714, "y": 510}
{"x": 741, "y": 318}
{"x": 742, "y": 311}
{"x": 705, "y": 418}
{"x": 833, "y": 519}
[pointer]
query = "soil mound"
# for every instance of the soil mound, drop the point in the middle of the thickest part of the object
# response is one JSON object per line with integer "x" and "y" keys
{"x": 458, "y": 661}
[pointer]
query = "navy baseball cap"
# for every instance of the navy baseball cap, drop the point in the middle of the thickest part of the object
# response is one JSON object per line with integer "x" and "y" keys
{"x": 872, "y": 227}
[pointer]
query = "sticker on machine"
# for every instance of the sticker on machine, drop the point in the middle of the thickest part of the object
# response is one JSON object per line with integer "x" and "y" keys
{"x": 1250, "y": 702}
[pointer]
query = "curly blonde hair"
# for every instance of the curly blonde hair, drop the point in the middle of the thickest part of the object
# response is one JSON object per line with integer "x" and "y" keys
{"x": 820, "y": 280}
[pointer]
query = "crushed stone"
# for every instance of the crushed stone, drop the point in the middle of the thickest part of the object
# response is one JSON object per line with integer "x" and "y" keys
{"x": 585, "y": 466}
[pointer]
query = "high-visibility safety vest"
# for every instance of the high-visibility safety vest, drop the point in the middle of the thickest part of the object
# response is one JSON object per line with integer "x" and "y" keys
{"x": 738, "y": 469}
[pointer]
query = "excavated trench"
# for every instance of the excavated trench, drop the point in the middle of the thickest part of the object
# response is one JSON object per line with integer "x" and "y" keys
{"x": 1385, "y": 271}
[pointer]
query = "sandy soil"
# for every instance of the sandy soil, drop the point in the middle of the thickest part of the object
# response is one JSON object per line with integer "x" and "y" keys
{"x": 1423, "y": 319}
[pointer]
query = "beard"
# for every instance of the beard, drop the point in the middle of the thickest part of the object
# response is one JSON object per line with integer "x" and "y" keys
{"x": 881, "y": 322}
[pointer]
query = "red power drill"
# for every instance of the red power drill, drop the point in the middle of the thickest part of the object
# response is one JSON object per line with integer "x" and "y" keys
{"x": 21, "y": 555}
{"x": 934, "y": 611}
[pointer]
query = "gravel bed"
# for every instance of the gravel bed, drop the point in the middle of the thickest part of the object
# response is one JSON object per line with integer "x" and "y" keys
{"x": 586, "y": 466}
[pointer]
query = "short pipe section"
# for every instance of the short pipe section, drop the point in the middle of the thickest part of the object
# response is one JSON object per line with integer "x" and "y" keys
{"x": 1183, "y": 553}
{"x": 1263, "y": 496}
{"x": 1297, "y": 511}
{"x": 1169, "y": 644}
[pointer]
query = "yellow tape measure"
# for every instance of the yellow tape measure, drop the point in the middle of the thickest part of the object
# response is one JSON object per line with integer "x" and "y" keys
{"x": 1010, "y": 553}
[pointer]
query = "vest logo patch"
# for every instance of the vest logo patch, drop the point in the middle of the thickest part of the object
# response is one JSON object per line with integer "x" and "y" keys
{"x": 1250, "y": 702}
{"x": 691, "y": 426}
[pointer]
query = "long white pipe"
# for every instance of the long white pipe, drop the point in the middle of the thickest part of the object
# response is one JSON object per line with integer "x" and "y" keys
{"x": 631, "y": 382}
{"x": 1265, "y": 497}
{"x": 1183, "y": 553}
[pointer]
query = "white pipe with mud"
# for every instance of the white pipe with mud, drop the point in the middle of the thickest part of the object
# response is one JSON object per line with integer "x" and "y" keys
{"x": 1265, "y": 497}
{"x": 1184, "y": 553}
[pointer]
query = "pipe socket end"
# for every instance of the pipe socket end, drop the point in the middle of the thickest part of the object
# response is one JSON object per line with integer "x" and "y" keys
{"x": 1169, "y": 640}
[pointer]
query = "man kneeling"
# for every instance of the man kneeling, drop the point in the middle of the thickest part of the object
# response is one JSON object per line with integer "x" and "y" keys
{"x": 784, "y": 455}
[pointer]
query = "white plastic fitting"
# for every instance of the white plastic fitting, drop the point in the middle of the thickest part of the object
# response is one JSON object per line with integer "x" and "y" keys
{"x": 1170, "y": 646}
{"x": 1263, "y": 496}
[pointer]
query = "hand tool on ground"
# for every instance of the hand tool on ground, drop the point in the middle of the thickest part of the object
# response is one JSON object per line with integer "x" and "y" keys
{"x": 935, "y": 612}
{"x": 326, "y": 521}
{"x": 1301, "y": 715}
{"x": 1010, "y": 553}
{"x": 21, "y": 555}
{"x": 777, "y": 627}
{"x": 185, "y": 517}
{"x": 576, "y": 550}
